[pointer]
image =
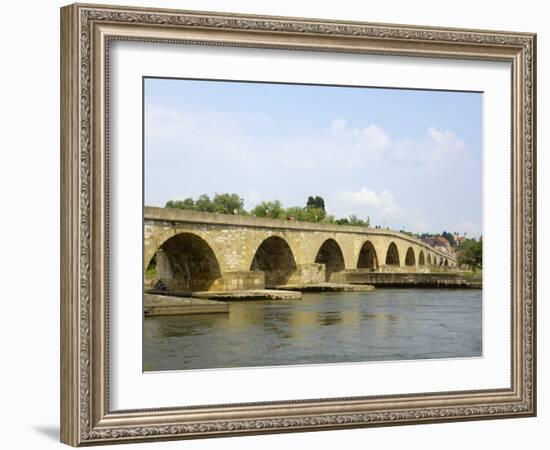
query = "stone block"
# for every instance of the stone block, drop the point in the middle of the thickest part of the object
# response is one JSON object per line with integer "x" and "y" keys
{"x": 241, "y": 280}
{"x": 308, "y": 274}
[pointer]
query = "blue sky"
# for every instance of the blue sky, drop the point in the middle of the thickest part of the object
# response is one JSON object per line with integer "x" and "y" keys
{"x": 408, "y": 159}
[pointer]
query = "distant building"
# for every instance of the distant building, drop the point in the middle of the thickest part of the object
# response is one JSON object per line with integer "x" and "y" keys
{"x": 458, "y": 239}
{"x": 438, "y": 243}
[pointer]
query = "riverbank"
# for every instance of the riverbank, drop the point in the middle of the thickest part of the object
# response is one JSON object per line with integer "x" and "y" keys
{"x": 257, "y": 294}
{"x": 237, "y": 295}
{"x": 167, "y": 305}
{"x": 286, "y": 292}
{"x": 159, "y": 302}
{"x": 329, "y": 287}
{"x": 447, "y": 280}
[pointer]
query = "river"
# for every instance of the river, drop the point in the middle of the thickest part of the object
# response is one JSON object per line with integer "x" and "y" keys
{"x": 386, "y": 324}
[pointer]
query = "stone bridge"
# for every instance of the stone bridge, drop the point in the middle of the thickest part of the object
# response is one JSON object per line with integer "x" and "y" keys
{"x": 197, "y": 251}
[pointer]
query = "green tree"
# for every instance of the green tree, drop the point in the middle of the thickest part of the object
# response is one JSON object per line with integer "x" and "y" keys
{"x": 314, "y": 214}
{"x": 344, "y": 221}
{"x": 305, "y": 214}
{"x": 296, "y": 213}
{"x": 354, "y": 221}
{"x": 203, "y": 203}
{"x": 314, "y": 211}
{"x": 449, "y": 237}
{"x": 316, "y": 202}
{"x": 228, "y": 204}
{"x": 188, "y": 203}
{"x": 222, "y": 203}
{"x": 470, "y": 253}
{"x": 273, "y": 210}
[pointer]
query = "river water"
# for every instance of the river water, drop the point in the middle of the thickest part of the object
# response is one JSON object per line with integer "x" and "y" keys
{"x": 386, "y": 324}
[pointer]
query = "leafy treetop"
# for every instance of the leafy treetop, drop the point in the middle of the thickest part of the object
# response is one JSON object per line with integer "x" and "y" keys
{"x": 314, "y": 211}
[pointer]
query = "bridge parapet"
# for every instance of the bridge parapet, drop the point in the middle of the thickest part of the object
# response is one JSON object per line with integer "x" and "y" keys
{"x": 153, "y": 213}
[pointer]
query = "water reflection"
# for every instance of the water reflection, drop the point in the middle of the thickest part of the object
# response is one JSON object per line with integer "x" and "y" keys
{"x": 321, "y": 328}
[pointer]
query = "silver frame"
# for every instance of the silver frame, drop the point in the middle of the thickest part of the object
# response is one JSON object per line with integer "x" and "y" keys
{"x": 86, "y": 32}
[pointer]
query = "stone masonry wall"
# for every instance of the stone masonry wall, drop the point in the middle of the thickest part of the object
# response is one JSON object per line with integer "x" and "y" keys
{"x": 234, "y": 241}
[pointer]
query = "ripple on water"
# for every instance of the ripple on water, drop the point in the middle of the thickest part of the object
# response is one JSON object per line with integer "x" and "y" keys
{"x": 387, "y": 324}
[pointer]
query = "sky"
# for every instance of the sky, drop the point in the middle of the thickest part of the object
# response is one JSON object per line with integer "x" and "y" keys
{"x": 407, "y": 159}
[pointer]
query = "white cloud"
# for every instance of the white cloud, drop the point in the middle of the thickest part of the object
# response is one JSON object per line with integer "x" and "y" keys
{"x": 382, "y": 202}
{"x": 371, "y": 139}
{"x": 363, "y": 196}
{"x": 250, "y": 155}
{"x": 229, "y": 138}
{"x": 161, "y": 122}
{"x": 339, "y": 126}
{"x": 434, "y": 147}
{"x": 382, "y": 208}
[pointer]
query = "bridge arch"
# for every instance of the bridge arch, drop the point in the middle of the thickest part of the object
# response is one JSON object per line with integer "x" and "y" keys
{"x": 368, "y": 258}
{"x": 446, "y": 263}
{"x": 186, "y": 262}
{"x": 410, "y": 259}
{"x": 392, "y": 255}
{"x": 274, "y": 257}
{"x": 421, "y": 258}
{"x": 330, "y": 254}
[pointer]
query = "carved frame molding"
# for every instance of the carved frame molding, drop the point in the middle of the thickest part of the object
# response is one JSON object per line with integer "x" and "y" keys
{"x": 86, "y": 31}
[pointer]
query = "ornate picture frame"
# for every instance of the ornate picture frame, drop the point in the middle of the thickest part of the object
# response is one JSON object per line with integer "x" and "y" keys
{"x": 87, "y": 32}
